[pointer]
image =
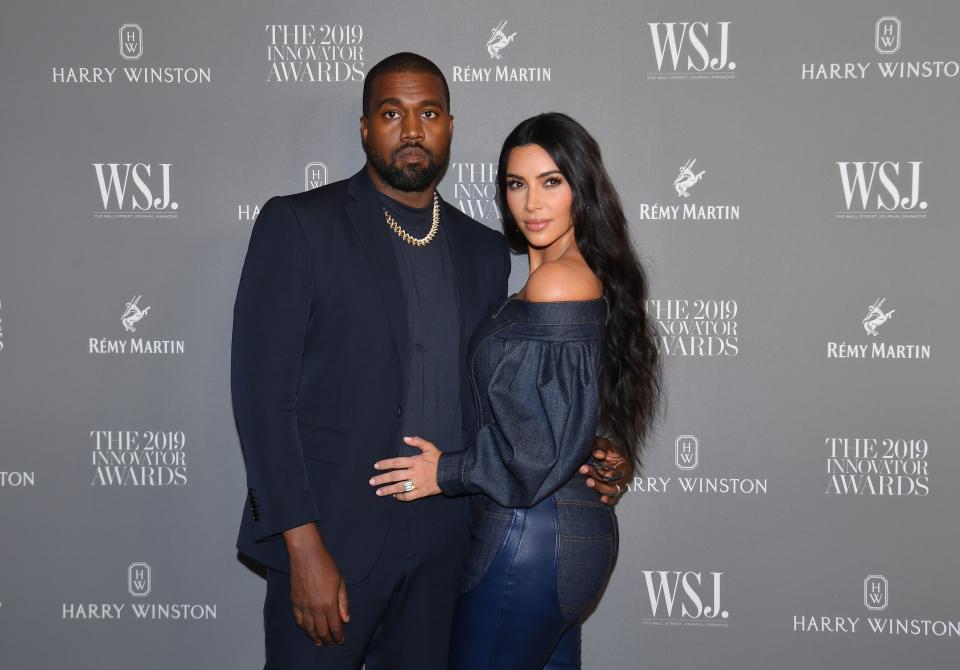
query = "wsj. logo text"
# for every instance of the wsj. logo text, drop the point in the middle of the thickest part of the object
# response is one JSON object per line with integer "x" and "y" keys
{"x": 680, "y": 598}
{"x": 128, "y": 189}
{"x": 698, "y": 49}
{"x": 884, "y": 189}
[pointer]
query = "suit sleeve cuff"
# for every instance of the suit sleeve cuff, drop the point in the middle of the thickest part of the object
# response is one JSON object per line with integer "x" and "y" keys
{"x": 450, "y": 473}
{"x": 270, "y": 519}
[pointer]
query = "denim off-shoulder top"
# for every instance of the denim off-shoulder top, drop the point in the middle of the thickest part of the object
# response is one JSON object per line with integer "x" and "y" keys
{"x": 535, "y": 374}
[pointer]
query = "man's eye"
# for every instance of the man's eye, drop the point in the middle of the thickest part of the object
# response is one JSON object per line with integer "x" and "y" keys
{"x": 392, "y": 114}
{"x": 430, "y": 114}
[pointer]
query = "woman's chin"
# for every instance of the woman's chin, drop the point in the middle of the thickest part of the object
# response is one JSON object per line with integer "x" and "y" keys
{"x": 538, "y": 240}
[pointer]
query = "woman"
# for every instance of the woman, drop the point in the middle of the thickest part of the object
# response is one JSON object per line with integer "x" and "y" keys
{"x": 572, "y": 355}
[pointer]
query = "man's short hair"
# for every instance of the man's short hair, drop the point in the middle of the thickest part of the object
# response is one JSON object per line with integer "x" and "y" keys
{"x": 404, "y": 61}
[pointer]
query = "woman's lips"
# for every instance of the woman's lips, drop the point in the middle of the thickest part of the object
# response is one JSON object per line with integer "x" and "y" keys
{"x": 536, "y": 225}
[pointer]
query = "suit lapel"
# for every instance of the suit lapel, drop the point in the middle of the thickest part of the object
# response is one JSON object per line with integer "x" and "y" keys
{"x": 365, "y": 212}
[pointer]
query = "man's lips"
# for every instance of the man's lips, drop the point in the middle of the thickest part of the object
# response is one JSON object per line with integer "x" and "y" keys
{"x": 536, "y": 225}
{"x": 411, "y": 154}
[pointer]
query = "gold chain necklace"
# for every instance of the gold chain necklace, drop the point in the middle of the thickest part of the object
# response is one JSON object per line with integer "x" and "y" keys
{"x": 410, "y": 239}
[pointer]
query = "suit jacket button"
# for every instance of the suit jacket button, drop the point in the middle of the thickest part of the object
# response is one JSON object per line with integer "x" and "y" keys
{"x": 399, "y": 410}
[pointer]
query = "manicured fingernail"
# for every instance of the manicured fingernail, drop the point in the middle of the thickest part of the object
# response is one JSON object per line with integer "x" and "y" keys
{"x": 376, "y": 466}
{"x": 583, "y": 469}
{"x": 591, "y": 483}
{"x": 373, "y": 481}
{"x": 379, "y": 492}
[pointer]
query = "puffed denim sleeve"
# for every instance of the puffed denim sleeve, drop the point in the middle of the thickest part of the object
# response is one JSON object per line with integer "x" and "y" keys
{"x": 544, "y": 398}
{"x": 270, "y": 320}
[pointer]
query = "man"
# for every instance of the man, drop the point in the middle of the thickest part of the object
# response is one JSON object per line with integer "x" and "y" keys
{"x": 351, "y": 324}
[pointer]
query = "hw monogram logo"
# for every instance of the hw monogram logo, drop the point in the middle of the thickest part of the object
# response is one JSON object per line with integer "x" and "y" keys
{"x": 314, "y": 176}
{"x": 138, "y": 579}
{"x": 888, "y": 35}
{"x": 131, "y": 41}
{"x": 875, "y": 592}
{"x": 687, "y": 454}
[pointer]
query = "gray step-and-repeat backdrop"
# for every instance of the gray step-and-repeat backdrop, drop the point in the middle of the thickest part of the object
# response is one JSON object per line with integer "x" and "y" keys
{"x": 788, "y": 170}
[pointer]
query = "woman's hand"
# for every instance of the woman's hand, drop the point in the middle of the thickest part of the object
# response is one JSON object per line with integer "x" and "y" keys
{"x": 608, "y": 471}
{"x": 420, "y": 470}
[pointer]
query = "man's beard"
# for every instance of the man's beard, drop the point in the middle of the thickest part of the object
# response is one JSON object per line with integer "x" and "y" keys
{"x": 413, "y": 177}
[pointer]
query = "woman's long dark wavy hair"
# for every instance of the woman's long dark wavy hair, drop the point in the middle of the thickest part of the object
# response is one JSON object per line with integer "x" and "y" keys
{"x": 630, "y": 387}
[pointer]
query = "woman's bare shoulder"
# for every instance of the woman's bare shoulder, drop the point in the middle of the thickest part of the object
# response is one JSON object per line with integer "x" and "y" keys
{"x": 561, "y": 281}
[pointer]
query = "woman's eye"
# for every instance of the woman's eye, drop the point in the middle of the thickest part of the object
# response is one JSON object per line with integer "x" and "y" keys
{"x": 514, "y": 185}
{"x": 553, "y": 181}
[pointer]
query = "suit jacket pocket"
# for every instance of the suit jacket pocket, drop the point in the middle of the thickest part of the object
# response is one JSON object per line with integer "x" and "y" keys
{"x": 322, "y": 443}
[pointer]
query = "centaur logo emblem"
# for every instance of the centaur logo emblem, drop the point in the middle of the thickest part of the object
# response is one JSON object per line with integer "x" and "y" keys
{"x": 132, "y": 314}
{"x": 687, "y": 179}
{"x": 876, "y": 317}
{"x": 498, "y": 40}
{"x": 131, "y": 41}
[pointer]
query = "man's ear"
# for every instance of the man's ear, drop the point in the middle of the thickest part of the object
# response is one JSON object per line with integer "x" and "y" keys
{"x": 364, "y": 129}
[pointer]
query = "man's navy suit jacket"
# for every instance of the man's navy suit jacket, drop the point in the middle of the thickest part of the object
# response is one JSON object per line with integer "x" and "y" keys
{"x": 317, "y": 374}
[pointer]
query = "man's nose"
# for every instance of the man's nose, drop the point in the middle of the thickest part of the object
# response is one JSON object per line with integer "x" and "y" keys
{"x": 412, "y": 128}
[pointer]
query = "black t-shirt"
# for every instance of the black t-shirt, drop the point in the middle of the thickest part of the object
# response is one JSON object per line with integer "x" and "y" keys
{"x": 431, "y": 408}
